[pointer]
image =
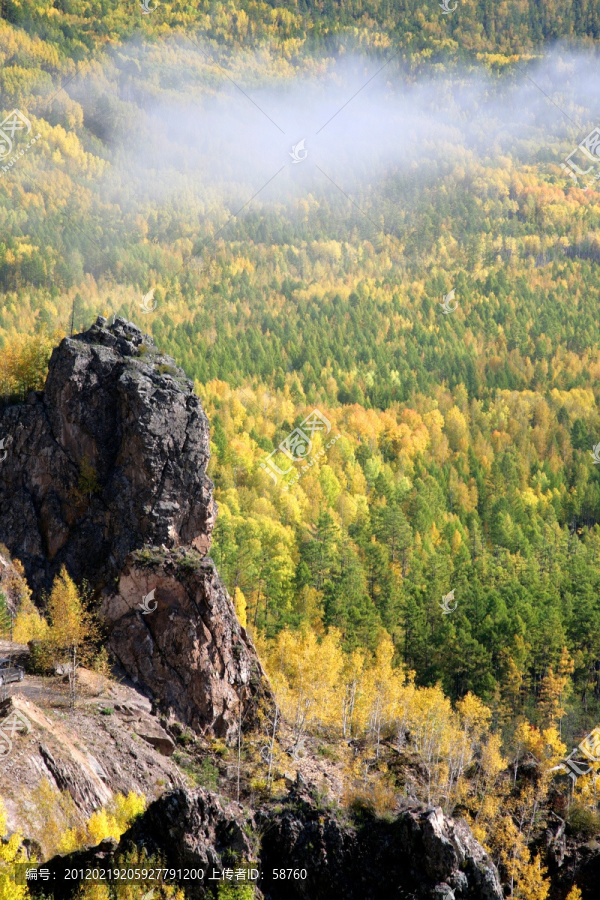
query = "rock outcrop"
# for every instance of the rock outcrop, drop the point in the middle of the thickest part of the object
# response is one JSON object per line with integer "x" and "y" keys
{"x": 90, "y": 756}
{"x": 110, "y": 457}
{"x": 186, "y": 649}
{"x": 105, "y": 471}
{"x": 571, "y": 860}
{"x": 183, "y": 830}
{"x": 422, "y": 855}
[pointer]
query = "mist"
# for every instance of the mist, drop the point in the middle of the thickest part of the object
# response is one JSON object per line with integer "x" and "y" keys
{"x": 231, "y": 141}
{"x": 200, "y": 149}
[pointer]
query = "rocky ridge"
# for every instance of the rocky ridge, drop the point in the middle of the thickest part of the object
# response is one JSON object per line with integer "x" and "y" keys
{"x": 421, "y": 855}
{"x": 110, "y": 457}
{"x": 109, "y": 461}
{"x": 106, "y": 475}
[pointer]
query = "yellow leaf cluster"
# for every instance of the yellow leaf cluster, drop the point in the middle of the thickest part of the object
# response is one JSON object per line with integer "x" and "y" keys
{"x": 110, "y": 822}
{"x": 319, "y": 686}
{"x": 11, "y": 851}
{"x": 29, "y": 624}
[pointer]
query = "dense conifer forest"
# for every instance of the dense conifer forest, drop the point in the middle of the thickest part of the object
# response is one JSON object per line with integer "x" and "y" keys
{"x": 434, "y": 297}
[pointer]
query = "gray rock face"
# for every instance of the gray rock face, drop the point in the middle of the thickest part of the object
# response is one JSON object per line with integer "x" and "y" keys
{"x": 116, "y": 410}
{"x": 109, "y": 461}
{"x": 184, "y": 645}
{"x": 195, "y": 829}
{"x": 422, "y": 855}
{"x": 572, "y": 860}
{"x": 449, "y": 856}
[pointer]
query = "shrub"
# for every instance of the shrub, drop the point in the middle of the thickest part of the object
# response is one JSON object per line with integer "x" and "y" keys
{"x": 186, "y": 738}
{"x": 11, "y": 851}
{"x": 219, "y": 747}
{"x": 111, "y": 821}
{"x": 375, "y": 800}
{"x": 235, "y": 892}
{"x": 260, "y": 786}
{"x": 87, "y": 483}
{"x": 41, "y": 658}
{"x": 582, "y": 821}
{"x": 29, "y": 624}
{"x": 208, "y": 775}
{"x": 328, "y": 752}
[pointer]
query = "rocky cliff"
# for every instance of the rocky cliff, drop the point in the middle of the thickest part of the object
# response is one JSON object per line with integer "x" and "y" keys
{"x": 110, "y": 457}
{"x": 421, "y": 855}
{"x": 187, "y": 651}
{"x": 105, "y": 471}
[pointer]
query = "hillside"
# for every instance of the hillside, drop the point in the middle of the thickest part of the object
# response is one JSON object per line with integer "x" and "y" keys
{"x": 332, "y": 270}
{"x": 82, "y": 747}
{"x": 373, "y": 752}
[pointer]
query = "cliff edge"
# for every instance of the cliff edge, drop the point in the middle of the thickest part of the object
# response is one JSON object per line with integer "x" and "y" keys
{"x": 105, "y": 473}
{"x": 111, "y": 456}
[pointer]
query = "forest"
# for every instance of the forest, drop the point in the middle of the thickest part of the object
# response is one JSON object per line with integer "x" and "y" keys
{"x": 434, "y": 571}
